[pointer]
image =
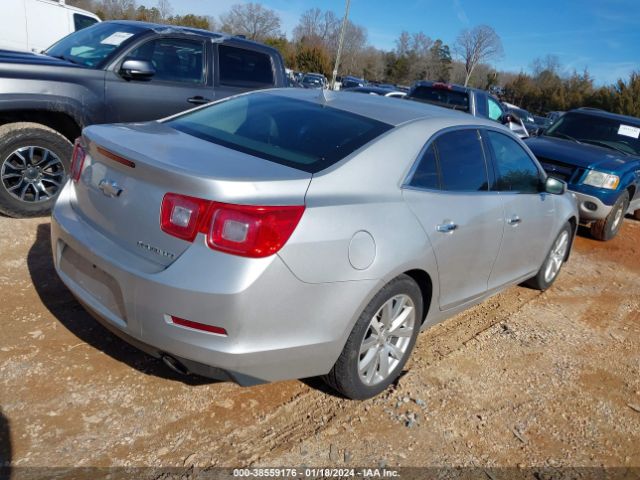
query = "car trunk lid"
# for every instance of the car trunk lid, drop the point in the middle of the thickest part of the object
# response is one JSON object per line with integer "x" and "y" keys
{"x": 129, "y": 169}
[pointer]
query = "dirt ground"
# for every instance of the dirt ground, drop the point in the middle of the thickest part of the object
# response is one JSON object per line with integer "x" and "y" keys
{"x": 524, "y": 379}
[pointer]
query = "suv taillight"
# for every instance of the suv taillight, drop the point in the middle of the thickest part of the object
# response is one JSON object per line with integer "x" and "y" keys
{"x": 245, "y": 230}
{"x": 77, "y": 161}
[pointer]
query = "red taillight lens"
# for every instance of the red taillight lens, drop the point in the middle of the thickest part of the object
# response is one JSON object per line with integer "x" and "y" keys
{"x": 77, "y": 161}
{"x": 181, "y": 215}
{"x": 245, "y": 230}
{"x": 251, "y": 231}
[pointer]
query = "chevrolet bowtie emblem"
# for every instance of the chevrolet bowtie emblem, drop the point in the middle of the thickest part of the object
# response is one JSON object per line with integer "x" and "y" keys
{"x": 109, "y": 188}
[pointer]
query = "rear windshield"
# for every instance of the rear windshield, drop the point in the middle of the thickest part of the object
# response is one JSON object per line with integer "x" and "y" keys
{"x": 297, "y": 133}
{"x": 442, "y": 97}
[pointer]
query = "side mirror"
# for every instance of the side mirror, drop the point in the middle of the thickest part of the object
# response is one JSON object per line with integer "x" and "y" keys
{"x": 137, "y": 69}
{"x": 555, "y": 186}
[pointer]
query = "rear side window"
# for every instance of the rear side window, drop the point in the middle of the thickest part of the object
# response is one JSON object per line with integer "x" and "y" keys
{"x": 481, "y": 105}
{"x": 462, "y": 162}
{"x": 244, "y": 68}
{"x": 442, "y": 96}
{"x": 515, "y": 170}
{"x": 82, "y": 21}
{"x": 302, "y": 134}
{"x": 426, "y": 175}
{"x": 175, "y": 59}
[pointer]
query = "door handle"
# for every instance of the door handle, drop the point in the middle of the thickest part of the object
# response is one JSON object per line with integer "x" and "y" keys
{"x": 446, "y": 227}
{"x": 198, "y": 100}
{"x": 515, "y": 220}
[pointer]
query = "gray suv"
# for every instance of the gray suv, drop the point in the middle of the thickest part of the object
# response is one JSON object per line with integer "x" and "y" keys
{"x": 111, "y": 72}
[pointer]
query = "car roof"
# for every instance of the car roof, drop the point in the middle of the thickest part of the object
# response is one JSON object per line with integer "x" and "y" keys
{"x": 391, "y": 111}
{"x": 164, "y": 28}
{"x": 372, "y": 88}
{"x": 604, "y": 114}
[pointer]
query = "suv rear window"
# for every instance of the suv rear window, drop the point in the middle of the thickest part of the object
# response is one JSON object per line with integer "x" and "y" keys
{"x": 442, "y": 97}
{"x": 301, "y": 134}
{"x": 245, "y": 68}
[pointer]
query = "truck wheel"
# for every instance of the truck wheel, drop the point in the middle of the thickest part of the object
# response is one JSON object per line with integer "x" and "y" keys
{"x": 608, "y": 227}
{"x": 553, "y": 261}
{"x": 34, "y": 161}
{"x": 380, "y": 342}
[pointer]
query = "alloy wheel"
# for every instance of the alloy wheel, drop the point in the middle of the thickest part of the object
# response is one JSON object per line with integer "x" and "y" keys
{"x": 386, "y": 340}
{"x": 556, "y": 257}
{"x": 32, "y": 174}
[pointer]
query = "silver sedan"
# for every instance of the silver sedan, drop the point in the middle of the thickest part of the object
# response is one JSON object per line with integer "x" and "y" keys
{"x": 295, "y": 233}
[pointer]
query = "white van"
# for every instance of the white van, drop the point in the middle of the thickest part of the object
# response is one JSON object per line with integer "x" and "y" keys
{"x": 34, "y": 25}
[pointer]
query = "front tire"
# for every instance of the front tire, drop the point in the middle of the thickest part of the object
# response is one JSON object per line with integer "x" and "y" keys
{"x": 553, "y": 261}
{"x": 34, "y": 161}
{"x": 608, "y": 227}
{"x": 381, "y": 341}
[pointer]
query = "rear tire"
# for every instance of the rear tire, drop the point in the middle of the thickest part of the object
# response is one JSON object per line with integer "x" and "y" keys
{"x": 373, "y": 356}
{"x": 636, "y": 215}
{"x": 608, "y": 227}
{"x": 34, "y": 161}
{"x": 552, "y": 264}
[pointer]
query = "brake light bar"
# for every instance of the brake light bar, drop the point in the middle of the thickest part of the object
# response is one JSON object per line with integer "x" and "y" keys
{"x": 245, "y": 230}
{"x": 442, "y": 86}
{"x": 116, "y": 158}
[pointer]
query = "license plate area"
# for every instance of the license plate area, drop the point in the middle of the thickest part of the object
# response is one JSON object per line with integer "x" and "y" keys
{"x": 96, "y": 282}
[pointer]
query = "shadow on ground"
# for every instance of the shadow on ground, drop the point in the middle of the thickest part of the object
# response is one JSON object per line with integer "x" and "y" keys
{"x": 59, "y": 301}
{"x": 6, "y": 451}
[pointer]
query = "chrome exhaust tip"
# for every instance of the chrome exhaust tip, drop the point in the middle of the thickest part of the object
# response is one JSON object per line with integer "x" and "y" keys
{"x": 174, "y": 364}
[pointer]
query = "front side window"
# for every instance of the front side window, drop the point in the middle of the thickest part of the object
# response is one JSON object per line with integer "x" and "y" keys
{"x": 175, "y": 59}
{"x": 462, "y": 163}
{"x": 305, "y": 135}
{"x": 244, "y": 68}
{"x": 515, "y": 170}
{"x": 495, "y": 110}
{"x": 82, "y": 21}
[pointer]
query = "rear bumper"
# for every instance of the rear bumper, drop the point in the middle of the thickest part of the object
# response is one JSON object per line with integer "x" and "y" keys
{"x": 278, "y": 327}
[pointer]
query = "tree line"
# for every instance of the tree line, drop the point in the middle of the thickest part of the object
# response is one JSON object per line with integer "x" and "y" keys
{"x": 314, "y": 43}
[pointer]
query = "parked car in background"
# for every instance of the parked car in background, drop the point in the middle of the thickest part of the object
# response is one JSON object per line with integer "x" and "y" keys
{"x": 316, "y": 272}
{"x": 351, "y": 82}
{"x": 33, "y": 25}
{"x": 314, "y": 80}
{"x": 476, "y": 102}
{"x": 110, "y": 72}
{"x": 553, "y": 116}
{"x": 542, "y": 122}
{"x": 598, "y": 154}
{"x": 527, "y": 119}
{"x": 383, "y": 92}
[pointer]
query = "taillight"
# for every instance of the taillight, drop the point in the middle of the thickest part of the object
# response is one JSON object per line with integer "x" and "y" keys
{"x": 77, "y": 161}
{"x": 245, "y": 230}
{"x": 180, "y": 215}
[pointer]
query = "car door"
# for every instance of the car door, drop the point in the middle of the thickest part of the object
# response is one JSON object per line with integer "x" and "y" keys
{"x": 240, "y": 69}
{"x": 180, "y": 81}
{"x": 463, "y": 219}
{"x": 528, "y": 211}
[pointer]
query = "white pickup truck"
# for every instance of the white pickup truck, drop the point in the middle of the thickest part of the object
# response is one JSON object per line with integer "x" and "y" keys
{"x": 34, "y": 25}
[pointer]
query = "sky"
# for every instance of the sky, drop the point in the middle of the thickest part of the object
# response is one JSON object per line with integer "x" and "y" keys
{"x": 601, "y": 35}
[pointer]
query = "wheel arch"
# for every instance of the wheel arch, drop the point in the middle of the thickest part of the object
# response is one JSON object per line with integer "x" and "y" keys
{"x": 61, "y": 122}
{"x": 423, "y": 279}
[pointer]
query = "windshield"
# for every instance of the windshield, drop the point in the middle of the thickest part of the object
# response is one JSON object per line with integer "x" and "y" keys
{"x": 442, "y": 97}
{"x": 605, "y": 132}
{"x": 304, "y": 135}
{"x": 92, "y": 46}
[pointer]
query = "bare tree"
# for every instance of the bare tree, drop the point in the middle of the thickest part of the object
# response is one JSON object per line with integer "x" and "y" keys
{"x": 317, "y": 27}
{"x": 251, "y": 20}
{"x": 477, "y": 45}
{"x": 164, "y": 7}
